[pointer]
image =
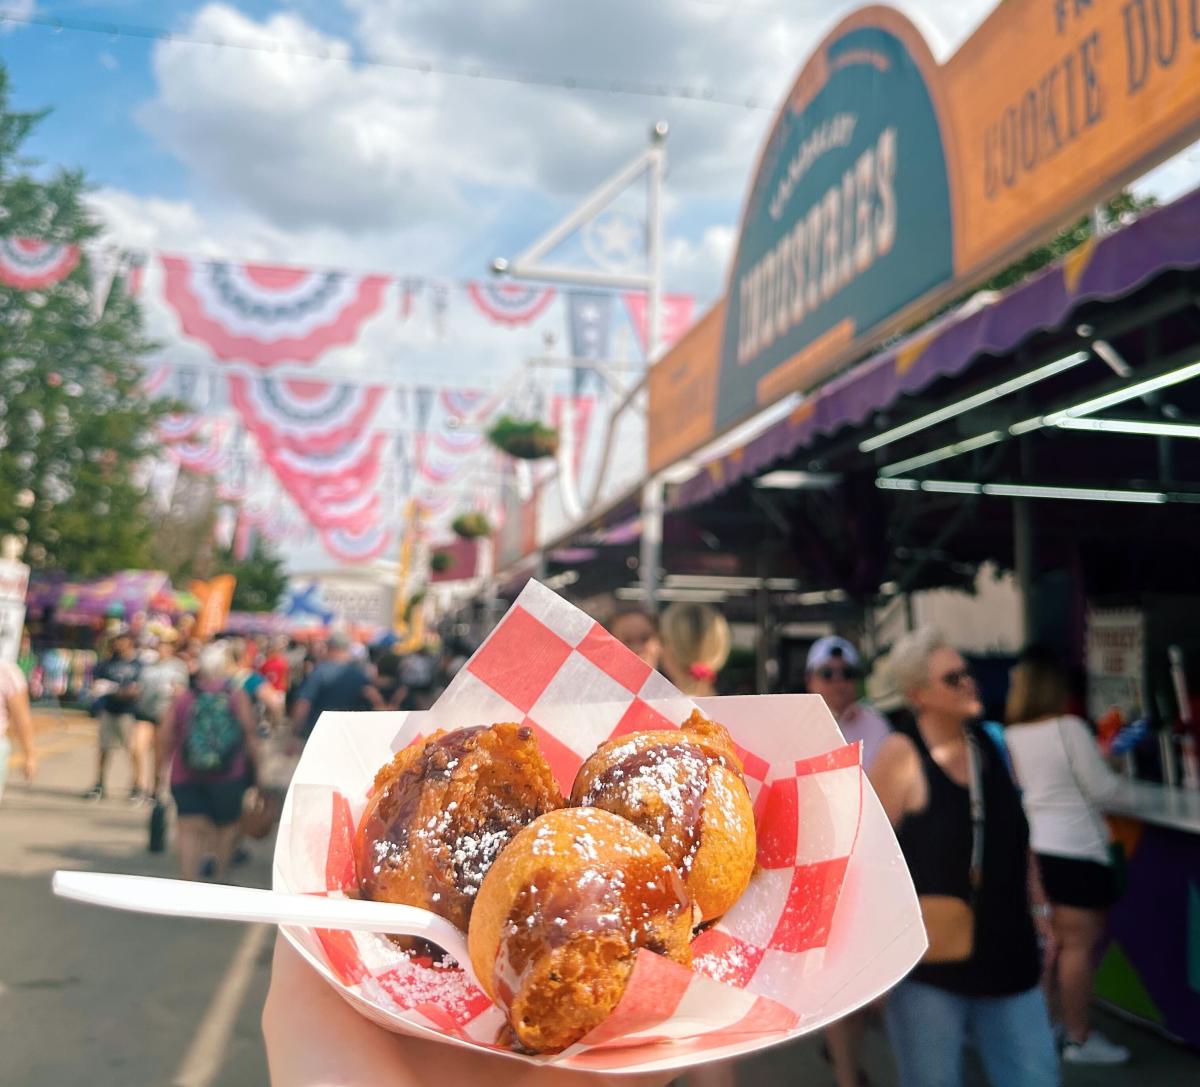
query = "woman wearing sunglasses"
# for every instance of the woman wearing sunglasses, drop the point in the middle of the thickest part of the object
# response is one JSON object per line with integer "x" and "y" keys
{"x": 958, "y": 819}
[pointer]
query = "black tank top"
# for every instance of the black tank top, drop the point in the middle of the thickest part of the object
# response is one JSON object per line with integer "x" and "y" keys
{"x": 936, "y": 843}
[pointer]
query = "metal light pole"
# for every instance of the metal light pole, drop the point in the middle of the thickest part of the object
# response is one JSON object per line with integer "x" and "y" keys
{"x": 531, "y": 264}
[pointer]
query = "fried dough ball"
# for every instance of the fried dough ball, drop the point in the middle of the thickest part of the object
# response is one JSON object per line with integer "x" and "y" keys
{"x": 684, "y": 788}
{"x": 440, "y": 813}
{"x": 560, "y": 917}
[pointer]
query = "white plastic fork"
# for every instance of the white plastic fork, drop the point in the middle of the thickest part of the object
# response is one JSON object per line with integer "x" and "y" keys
{"x": 214, "y": 902}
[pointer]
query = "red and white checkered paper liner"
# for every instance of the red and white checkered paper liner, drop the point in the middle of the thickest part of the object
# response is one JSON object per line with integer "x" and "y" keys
{"x": 829, "y": 921}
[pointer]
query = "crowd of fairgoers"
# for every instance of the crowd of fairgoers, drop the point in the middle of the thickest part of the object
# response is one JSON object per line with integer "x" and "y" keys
{"x": 213, "y": 725}
{"x": 214, "y": 728}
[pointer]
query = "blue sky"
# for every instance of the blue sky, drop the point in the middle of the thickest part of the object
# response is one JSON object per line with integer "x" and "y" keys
{"x": 275, "y": 157}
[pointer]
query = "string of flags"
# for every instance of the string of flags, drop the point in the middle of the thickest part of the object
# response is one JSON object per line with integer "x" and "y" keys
{"x": 271, "y": 315}
{"x": 297, "y": 458}
{"x": 335, "y": 470}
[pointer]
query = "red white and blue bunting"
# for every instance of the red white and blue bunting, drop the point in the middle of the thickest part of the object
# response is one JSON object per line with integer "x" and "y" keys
{"x": 356, "y": 462}
{"x": 178, "y": 426}
{"x": 438, "y": 473}
{"x": 510, "y": 303}
{"x": 29, "y": 264}
{"x": 154, "y": 381}
{"x": 356, "y": 546}
{"x": 458, "y": 442}
{"x": 465, "y": 404}
{"x": 202, "y": 453}
{"x": 354, "y": 514}
{"x": 268, "y": 315}
{"x": 676, "y": 318}
{"x": 307, "y": 416}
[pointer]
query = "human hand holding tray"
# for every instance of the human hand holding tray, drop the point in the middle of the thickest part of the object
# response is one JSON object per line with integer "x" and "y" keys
{"x": 829, "y": 921}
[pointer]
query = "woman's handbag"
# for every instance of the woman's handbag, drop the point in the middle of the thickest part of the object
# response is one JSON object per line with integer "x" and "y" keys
{"x": 260, "y": 809}
{"x": 950, "y": 920}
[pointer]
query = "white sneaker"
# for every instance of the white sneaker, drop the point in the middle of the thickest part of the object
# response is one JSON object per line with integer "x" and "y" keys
{"x": 1096, "y": 1050}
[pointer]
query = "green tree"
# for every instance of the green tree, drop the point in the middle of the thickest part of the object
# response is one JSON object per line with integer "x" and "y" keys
{"x": 75, "y": 428}
{"x": 261, "y": 579}
{"x": 1121, "y": 209}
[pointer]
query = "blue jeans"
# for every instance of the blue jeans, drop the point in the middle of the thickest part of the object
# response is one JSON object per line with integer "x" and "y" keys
{"x": 928, "y": 1028}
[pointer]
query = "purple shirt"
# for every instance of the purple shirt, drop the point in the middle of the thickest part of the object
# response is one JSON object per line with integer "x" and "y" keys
{"x": 181, "y": 773}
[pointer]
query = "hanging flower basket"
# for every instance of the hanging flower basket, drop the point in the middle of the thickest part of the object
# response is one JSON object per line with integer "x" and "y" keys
{"x": 526, "y": 439}
{"x": 471, "y": 526}
{"x": 440, "y": 561}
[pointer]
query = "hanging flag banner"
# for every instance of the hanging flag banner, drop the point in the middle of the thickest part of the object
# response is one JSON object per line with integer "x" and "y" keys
{"x": 177, "y": 426}
{"x": 154, "y": 381}
{"x": 356, "y": 463}
{"x": 510, "y": 304}
{"x": 409, "y": 289}
{"x": 589, "y": 326}
{"x": 202, "y": 454}
{"x": 675, "y": 320}
{"x": 356, "y": 546}
{"x": 308, "y": 416}
{"x": 243, "y": 538}
{"x": 233, "y": 484}
{"x": 30, "y": 265}
{"x": 187, "y": 382}
{"x": 424, "y": 397}
{"x": 134, "y": 276}
{"x": 355, "y": 513}
{"x": 438, "y": 473}
{"x": 462, "y": 403}
{"x": 459, "y": 442}
{"x": 402, "y": 477}
{"x": 589, "y": 323}
{"x": 216, "y": 597}
{"x": 441, "y": 303}
{"x": 267, "y": 315}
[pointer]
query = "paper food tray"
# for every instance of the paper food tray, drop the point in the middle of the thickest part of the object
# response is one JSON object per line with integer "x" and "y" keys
{"x": 830, "y": 919}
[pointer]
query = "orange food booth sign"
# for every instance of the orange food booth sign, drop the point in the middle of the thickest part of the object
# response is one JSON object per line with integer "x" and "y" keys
{"x": 889, "y": 185}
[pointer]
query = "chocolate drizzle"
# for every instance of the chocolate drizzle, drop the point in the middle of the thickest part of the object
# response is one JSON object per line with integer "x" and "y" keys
{"x": 660, "y": 788}
{"x": 629, "y": 904}
{"x": 433, "y": 830}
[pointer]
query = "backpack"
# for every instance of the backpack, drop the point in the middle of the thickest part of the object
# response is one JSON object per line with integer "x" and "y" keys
{"x": 214, "y": 734}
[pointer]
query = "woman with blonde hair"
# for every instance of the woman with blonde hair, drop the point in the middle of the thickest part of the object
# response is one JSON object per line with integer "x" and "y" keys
{"x": 1064, "y": 782}
{"x": 947, "y": 791}
{"x": 695, "y": 646}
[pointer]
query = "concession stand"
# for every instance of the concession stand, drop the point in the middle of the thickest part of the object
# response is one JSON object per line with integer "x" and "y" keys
{"x": 852, "y": 424}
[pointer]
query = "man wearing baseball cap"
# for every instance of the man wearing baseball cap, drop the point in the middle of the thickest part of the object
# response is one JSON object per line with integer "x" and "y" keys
{"x": 833, "y": 671}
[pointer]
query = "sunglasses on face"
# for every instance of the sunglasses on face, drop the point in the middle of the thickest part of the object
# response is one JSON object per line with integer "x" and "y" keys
{"x": 837, "y": 673}
{"x": 957, "y": 678}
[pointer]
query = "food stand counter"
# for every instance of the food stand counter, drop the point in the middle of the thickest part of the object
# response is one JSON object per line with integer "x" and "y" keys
{"x": 1151, "y": 963}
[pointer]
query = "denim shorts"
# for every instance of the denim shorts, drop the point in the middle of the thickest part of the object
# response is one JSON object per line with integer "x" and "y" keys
{"x": 929, "y": 1028}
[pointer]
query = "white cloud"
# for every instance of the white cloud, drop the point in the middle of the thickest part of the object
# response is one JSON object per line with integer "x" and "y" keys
{"x": 365, "y": 147}
{"x": 700, "y": 267}
{"x": 17, "y": 10}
